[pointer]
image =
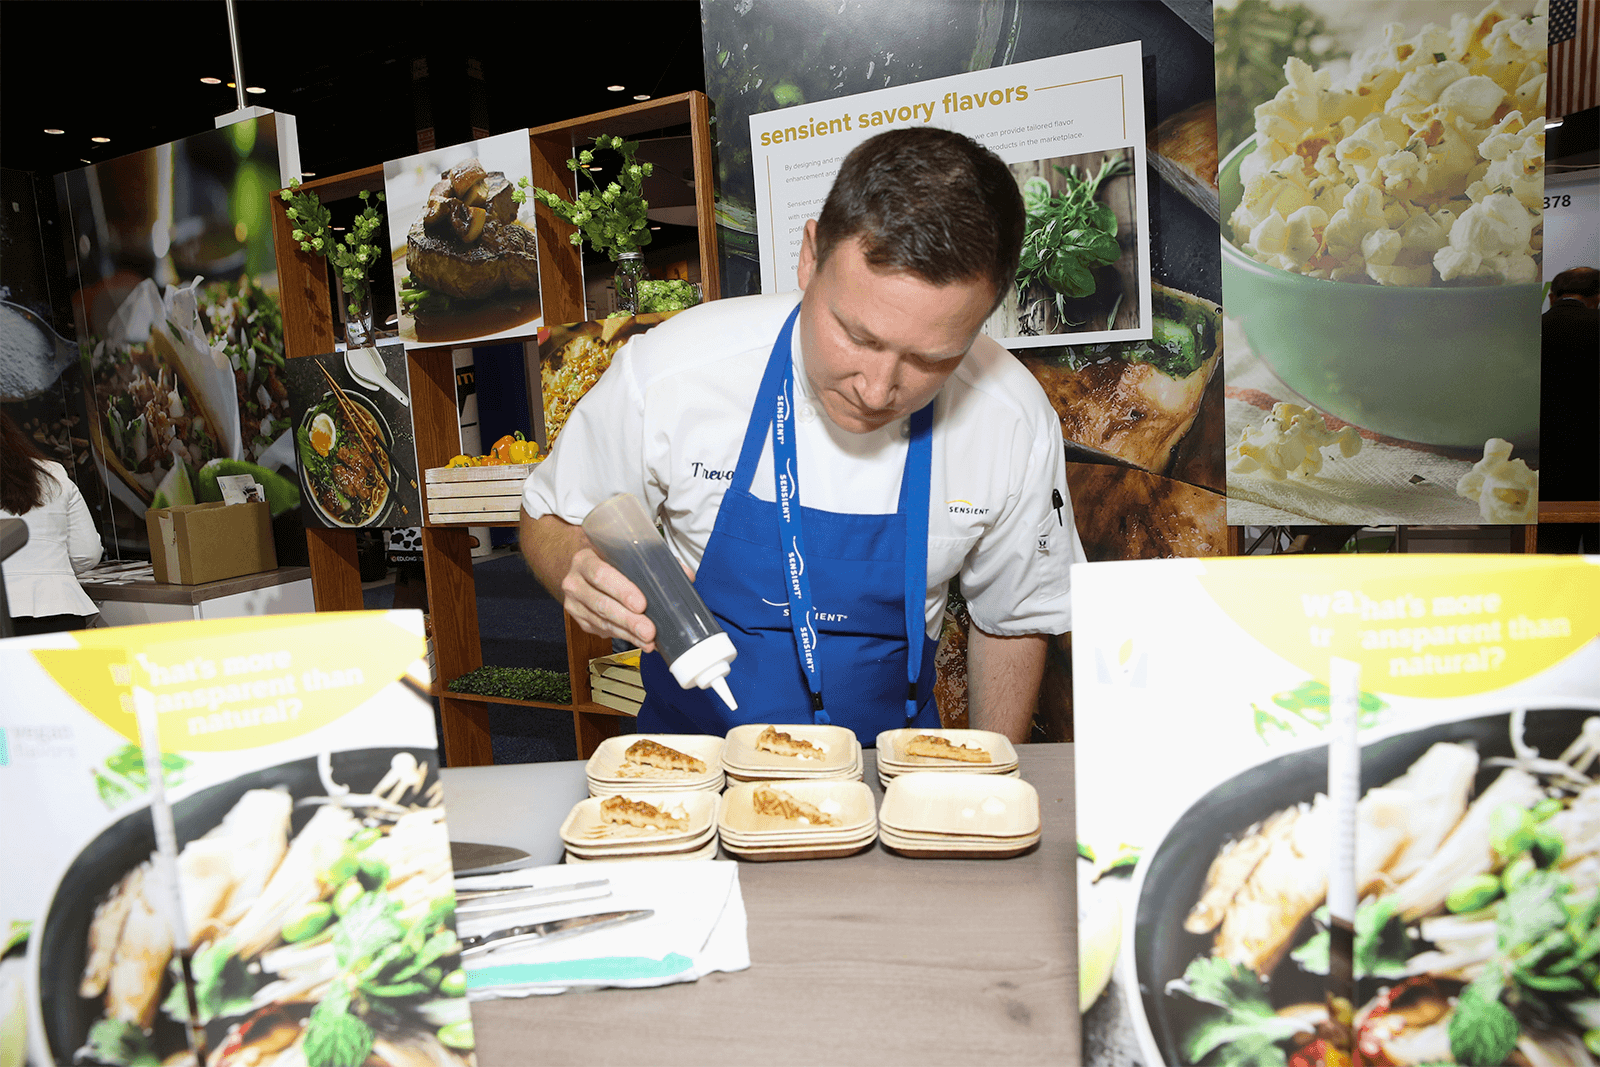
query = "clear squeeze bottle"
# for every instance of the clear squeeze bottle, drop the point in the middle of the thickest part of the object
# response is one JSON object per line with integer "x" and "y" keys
{"x": 687, "y": 635}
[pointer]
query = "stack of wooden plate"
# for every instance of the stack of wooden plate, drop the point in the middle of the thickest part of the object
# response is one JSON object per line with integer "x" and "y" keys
{"x": 805, "y": 753}
{"x": 612, "y": 770}
{"x": 959, "y": 816}
{"x": 592, "y": 833}
{"x": 966, "y": 752}
{"x": 795, "y": 820}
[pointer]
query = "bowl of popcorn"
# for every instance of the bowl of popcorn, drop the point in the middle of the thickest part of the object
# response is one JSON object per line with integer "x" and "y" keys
{"x": 1383, "y": 232}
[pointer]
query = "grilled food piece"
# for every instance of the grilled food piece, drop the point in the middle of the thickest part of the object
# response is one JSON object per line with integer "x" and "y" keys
{"x": 781, "y": 744}
{"x": 504, "y": 257}
{"x": 645, "y": 753}
{"x": 780, "y": 805}
{"x": 935, "y": 747}
{"x": 628, "y": 812}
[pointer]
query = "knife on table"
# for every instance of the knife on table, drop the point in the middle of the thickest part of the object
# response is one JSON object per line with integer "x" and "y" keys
{"x": 551, "y": 930}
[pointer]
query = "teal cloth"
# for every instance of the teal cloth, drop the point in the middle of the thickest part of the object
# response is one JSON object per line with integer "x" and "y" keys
{"x": 606, "y": 968}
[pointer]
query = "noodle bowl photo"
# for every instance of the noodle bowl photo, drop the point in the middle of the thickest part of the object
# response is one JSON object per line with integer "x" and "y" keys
{"x": 346, "y": 468}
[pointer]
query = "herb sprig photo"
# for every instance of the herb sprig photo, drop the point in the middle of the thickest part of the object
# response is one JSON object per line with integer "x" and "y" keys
{"x": 1069, "y": 234}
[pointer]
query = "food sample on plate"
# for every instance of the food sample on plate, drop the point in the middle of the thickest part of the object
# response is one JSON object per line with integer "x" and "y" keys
{"x": 1476, "y": 936}
{"x": 769, "y": 800}
{"x": 933, "y": 747}
{"x": 339, "y": 934}
{"x": 646, "y": 758}
{"x": 625, "y": 811}
{"x": 346, "y": 467}
{"x": 1135, "y": 400}
{"x": 782, "y": 744}
{"x": 1422, "y": 165}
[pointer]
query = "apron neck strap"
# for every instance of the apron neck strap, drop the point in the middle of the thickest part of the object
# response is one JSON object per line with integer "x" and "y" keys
{"x": 776, "y": 377}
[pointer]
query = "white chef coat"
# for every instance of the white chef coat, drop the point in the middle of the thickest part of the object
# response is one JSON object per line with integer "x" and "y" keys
{"x": 62, "y": 541}
{"x": 665, "y": 423}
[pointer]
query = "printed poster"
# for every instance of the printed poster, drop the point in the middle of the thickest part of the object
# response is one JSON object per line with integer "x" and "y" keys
{"x": 180, "y": 334}
{"x": 357, "y": 451}
{"x": 1382, "y": 201}
{"x": 236, "y": 848}
{"x": 1204, "y": 737}
{"x": 1071, "y": 128}
{"x": 465, "y": 258}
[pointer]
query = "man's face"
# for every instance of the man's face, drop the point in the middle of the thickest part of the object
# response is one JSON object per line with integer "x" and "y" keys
{"x": 879, "y": 345}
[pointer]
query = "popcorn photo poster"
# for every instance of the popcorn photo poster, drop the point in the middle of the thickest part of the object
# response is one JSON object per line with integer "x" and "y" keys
{"x": 1382, "y": 181}
{"x": 1216, "y": 833}
{"x": 234, "y": 847}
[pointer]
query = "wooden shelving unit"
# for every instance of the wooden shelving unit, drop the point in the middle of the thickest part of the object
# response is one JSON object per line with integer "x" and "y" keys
{"x": 308, "y": 329}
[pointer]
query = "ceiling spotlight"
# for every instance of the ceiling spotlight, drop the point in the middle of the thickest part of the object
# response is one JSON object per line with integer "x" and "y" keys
{"x": 53, "y": 131}
{"x": 1549, "y": 125}
{"x": 254, "y": 89}
{"x": 210, "y": 81}
{"x": 101, "y": 140}
{"x": 308, "y": 174}
{"x": 615, "y": 88}
{"x": 641, "y": 96}
{"x": 232, "y": 85}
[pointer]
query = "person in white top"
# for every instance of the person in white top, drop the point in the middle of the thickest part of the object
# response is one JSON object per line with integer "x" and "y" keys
{"x": 42, "y": 590}
{"x": 896, "y": 400}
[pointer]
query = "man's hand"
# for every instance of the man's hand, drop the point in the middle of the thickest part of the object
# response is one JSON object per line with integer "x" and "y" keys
{"x": 1003, "y": 676}
{"x": 597, "y": 595}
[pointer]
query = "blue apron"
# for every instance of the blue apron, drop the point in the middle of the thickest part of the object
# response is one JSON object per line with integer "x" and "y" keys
{"x": 850, "y": 575}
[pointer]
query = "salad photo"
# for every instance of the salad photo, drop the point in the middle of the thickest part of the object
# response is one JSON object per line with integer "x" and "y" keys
{"x": 1477, "y": 937}
{"x": 320, "y": 911}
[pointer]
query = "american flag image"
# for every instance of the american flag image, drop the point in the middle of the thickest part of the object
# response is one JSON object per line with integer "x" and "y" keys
{"x": 1574, "y": 57}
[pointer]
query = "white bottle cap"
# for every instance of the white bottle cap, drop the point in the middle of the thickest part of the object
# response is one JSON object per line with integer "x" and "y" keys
{"x": 706, "y": 664}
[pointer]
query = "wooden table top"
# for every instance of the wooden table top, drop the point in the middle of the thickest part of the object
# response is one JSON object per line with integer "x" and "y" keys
{"x": 870, "y": 959}
{"x": 152, "y": 592}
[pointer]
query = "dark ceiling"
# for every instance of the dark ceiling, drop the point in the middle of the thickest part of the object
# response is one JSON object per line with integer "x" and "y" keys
{"x": 361, "y": 77}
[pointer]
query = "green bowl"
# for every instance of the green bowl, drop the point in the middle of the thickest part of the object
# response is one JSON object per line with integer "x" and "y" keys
{"x": 1439, "y": 366}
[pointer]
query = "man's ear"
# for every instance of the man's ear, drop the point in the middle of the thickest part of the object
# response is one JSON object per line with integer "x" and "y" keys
{"x": 808, "y": 254}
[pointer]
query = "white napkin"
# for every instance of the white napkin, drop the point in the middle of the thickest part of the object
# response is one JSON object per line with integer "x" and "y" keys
{"x": 1387, "y": 483}
{"x": 698, "y": 927}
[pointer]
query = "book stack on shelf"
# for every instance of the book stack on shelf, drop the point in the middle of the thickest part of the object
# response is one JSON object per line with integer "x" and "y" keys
{"x": 615, "y": 682}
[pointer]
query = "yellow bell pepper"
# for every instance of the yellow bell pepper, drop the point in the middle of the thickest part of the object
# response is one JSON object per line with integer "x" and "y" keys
{"x": 514, "y": 448}
{"x": 464, "y": 461}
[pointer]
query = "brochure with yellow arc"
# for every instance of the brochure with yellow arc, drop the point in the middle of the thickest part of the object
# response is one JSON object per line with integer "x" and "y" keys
{"x": 226, "y": 685}
{"x": 1419, "y": 626}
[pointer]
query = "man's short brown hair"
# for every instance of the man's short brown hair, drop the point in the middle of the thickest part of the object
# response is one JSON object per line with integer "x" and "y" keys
{"x": 1575, "y": 281}
{"x": 930, "y": 202}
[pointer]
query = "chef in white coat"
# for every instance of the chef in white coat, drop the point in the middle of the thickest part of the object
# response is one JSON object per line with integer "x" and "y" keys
{"x": 919, "y": 450}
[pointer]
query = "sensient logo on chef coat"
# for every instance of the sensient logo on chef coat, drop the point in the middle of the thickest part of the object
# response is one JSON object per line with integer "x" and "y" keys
{"x": 964, "y": 507}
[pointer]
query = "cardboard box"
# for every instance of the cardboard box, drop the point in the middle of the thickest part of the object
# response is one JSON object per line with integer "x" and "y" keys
{"x": 199, "y": 543}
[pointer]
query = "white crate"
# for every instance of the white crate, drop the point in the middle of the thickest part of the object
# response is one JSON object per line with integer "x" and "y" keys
{"x": 473, "y": 496}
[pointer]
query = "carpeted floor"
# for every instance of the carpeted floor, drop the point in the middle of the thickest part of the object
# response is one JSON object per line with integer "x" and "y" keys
{"x": 519, "y": 625}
